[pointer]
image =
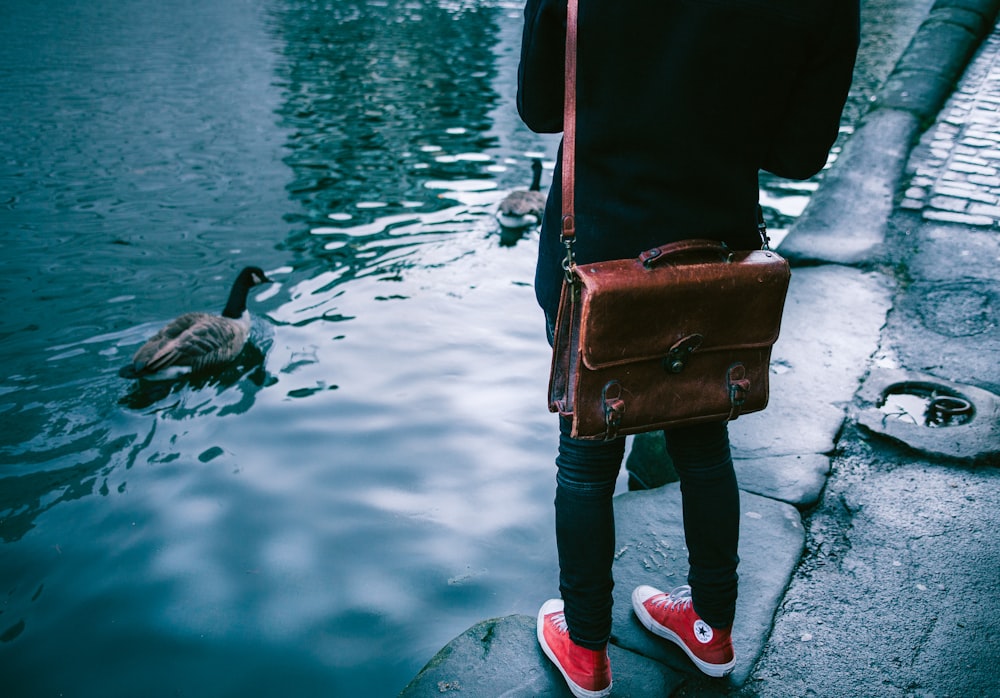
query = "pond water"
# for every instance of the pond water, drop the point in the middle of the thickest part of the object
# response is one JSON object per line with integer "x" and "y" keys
{"x": 375, "y": 474}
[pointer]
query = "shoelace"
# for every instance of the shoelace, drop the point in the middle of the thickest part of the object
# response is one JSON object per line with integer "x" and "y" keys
{"x": 679, "y": 597}
{"x": 559, "y": 620}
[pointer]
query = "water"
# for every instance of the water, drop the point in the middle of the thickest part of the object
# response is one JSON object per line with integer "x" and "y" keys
{"x": 926, "y": 404}
{"x": 375, "y": 474}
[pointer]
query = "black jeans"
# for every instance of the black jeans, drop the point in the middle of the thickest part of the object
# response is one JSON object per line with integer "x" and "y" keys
{"x": 585, "y": 526}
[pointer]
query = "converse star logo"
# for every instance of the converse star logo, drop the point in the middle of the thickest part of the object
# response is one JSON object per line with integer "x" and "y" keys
{"x": 703, "y": 631}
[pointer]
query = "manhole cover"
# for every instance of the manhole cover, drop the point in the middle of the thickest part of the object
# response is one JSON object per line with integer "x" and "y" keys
{"x": 958, "y": 310}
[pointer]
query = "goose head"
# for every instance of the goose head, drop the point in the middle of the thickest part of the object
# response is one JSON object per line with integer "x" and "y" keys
{"x": 245, "y": 280}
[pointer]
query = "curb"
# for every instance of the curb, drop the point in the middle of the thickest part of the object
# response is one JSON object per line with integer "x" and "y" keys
{"x": 845, "y": 221}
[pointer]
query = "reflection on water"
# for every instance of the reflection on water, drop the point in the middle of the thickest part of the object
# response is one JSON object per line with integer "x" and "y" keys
{"x": 374, "y": 474}
{"x": 379, "y": 99}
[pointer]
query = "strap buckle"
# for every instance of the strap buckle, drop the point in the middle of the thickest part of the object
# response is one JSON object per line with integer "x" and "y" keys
{"x": 739, "y": 387}
{"x": 566, "y": 238}
{"x": 614, "y": 408}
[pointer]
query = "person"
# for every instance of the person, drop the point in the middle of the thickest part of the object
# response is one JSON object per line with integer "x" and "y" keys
{"x": 680, "y": 104}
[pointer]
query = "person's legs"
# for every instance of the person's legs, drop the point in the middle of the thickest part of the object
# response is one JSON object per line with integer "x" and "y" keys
{"x": 711, "y": 503}
{"x": 585, "y": 533}
{"x": 699, "y": 617}
{"x": 573, "y": 631}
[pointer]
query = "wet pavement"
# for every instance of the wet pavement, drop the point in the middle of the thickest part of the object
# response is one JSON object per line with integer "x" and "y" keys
{"x": 868, "y": 557}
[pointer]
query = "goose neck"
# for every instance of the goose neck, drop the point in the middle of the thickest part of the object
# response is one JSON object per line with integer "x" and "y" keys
{"x": 237, "y": 303}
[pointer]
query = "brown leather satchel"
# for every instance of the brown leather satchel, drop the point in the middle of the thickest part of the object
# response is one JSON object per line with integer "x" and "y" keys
{"x": 679, "y": 335}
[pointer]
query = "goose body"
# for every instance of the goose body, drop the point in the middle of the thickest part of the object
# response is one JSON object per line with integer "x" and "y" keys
{"x": 523, "y": 208}
{"x": 195, "y": 342}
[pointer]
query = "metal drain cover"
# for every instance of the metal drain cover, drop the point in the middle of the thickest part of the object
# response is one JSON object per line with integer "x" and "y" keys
{"x": 926, "y": 404}
{"x": 931, "y": 415}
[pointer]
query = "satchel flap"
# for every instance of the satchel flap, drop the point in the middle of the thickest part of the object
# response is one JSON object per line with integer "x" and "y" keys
{"x": 631, "y": 311}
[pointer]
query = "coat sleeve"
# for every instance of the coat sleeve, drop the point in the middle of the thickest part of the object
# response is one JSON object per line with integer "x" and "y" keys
{"x": 806, "y": 127}
{"x": 540, "y": 74}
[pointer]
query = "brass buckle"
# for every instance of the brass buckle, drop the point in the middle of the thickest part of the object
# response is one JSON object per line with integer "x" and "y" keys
{"x": 676, "y": 359}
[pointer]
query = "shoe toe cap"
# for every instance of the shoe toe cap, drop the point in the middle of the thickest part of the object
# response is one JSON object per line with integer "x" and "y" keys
{"x": 551, "y": 606}
{"x": 642, "y": 593}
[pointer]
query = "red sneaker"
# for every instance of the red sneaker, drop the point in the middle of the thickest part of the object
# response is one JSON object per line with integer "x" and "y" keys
{"x": 672, "y": 616}
{"x": 587, "y": 672}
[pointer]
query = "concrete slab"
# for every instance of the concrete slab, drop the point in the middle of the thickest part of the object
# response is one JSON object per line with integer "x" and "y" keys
{"x": 651, "y": 550}
{"x": 830, "y": 329}
{"x": 897, "y": 598}
{"x": 501, "y": 657}
{"x": 943, "y": 253}
{"x": 797, "y": 480}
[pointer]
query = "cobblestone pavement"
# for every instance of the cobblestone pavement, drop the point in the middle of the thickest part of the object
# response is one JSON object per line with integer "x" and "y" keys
{"x": 955, "y": 169}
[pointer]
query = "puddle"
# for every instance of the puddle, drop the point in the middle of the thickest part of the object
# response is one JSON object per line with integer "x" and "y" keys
{"x": 932, "y": 415}
{"x": 926, "y": 405}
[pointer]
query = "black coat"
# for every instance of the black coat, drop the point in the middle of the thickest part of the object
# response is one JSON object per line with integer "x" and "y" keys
{"x": 679, "y": 104}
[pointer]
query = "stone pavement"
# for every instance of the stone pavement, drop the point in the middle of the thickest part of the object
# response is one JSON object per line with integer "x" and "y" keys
{"x": 840, "y": 303}
{"x": 956, "y": 167}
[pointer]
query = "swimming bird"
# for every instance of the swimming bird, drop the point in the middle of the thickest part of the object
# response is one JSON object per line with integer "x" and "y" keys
{"x": 523, "y": 208}
{"x": 194, "y": 342}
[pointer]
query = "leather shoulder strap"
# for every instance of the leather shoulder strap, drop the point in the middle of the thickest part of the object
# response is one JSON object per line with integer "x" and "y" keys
{"x": 569, "y": 126}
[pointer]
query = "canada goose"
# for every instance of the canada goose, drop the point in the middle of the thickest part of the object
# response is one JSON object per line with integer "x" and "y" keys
{"x": 523, "y": 208}
{"x": 197, "y": 341}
